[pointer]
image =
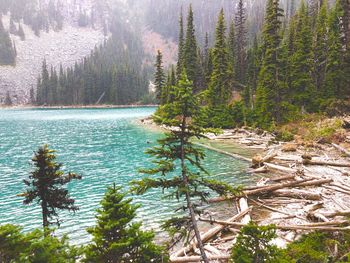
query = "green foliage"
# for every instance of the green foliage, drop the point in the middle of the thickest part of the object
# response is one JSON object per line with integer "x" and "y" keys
{"x": 253, "y": 245}
{"x": 116, "y": 238}
{"x": 219, "y": 90}
{"x": 110, "y": 75}
{"x": 8, "y": 100}
{"x": 177, "y": 164}
{"x": 190, "y": 49}
{"x": 284, "y": 136}
{"x": 268, "y": 95}
{"x": 302, "y": 85}
{"x": 36, "y": 246}
{"x": 159, "y": 79}
{"x": 317, "y": 247}
{"x": 224, "y": 116}
{"x": 7, "y": 49}
{"x": 44, "y": 185}
{"x": 12, "y": 243}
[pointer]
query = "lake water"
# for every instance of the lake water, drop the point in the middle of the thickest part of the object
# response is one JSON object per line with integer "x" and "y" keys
{"x": 104, "y": 146}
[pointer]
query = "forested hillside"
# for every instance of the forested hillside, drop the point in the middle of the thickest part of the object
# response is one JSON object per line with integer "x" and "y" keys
{"x": 295, "y": 66}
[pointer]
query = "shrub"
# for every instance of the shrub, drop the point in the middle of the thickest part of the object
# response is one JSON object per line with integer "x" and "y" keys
{"x": 254, "y": 245}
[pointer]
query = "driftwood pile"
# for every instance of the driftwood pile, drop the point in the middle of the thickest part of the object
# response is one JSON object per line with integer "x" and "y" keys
{"x": 304, "y": 189}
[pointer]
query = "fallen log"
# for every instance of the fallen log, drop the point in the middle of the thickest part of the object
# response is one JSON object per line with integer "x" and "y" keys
{"x": 299, "y": 194}
{"x": 243, "y": 205}
{"x": 236, "y": 156}
{"x": 310, "y": 162}
{"x": 341, "y": 149}
{"x": 311, "y": 227}
{"x": 337, "y": 213}
{"x": 316, "y": 182}
{"x": 338, "y": 190}
{"x": 262, "y": 190}
{"x": 197, "y": 258}
{"x": 262, "y": 169}
{"x": 209, "y": 234}
{"x": 276, "y": 210}
{"x": 281, "y": 168}
{"x": 282, "y": 178}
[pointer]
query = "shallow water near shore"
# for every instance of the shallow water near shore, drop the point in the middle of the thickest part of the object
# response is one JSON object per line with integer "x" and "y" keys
{"x": 104, "y": 146}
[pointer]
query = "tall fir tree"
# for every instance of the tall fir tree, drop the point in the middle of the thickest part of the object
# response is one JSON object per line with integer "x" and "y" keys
{"x": 116, "y": 238}
{"x": 301, "y": 63}
{"x": 219, "y": 90}
{"x": 268, "y": 95}
{"x": 191, "y": 51}
{"x": 320, "y": 50}
{"x": 240, "y": 44}
{"x": 178, "y": 161}
{"x": 44, "y": 186}
{"x": 159, "y": 79}
{"x": 181, "y": 48}
{"x": 335, "y": 80}
{"x": 253, "y": 67}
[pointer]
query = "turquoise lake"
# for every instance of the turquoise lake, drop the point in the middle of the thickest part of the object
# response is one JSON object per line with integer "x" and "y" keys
{"x": 104, "y": 146}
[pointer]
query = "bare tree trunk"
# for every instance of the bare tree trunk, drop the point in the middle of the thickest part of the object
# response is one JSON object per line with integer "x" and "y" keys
{"x": 44, "y": 212}
{"x": 188, "y": 198}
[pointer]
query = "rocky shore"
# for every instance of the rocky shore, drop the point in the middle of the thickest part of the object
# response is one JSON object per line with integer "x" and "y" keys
{"x": 303, "y": 187}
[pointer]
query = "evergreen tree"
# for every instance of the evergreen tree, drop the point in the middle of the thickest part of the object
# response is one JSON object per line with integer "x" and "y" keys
{"x": 231, "y": 44}
{"x": 268, "y": 95}
{"x": 178, "y": 160}
{"x": 335, "y": 79}
{"x": 181, "y": 46}
{"x": 190, "y": 51}
{"x": 240, "y": 52}
{"x": 21, "y": 33}
{"x": 219, "y": 89}
{"x": 116, "y": 239}
{"x": 32, "y": 96}
{"x": 13, "y": 28}
{"x": 301, "y": 63}
{"x": 44, "y": 186}
{"x": 159, "y": 79}
{"x": 8, "y": 100}
{"x": 253, "y": 67}
{"x": 320, "y": 50}
{"x": 35, "y": 246}
{"x": 7, "y": 50}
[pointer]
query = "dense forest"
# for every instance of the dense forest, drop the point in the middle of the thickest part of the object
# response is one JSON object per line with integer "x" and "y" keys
{"x": 295, "y": 66}
{"x": 7, "y": 47}
{"x": 112, "y": 74}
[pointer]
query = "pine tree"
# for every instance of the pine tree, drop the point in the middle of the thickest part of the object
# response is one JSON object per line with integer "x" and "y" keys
{"x": 159, "y": 79}
{"x": 21, "y": 33}
{"x": 13, "y": 28}
{"x": 181, "y": 50}
{"x": 116, "y": 239}
{"x": 320, "y": 49}
{"x": 268, "y": 95}
{"x": 190, "y": 51}
{"x": 44, "y": 186}
{"x": 8, "y": 100}
{"x": 7, "y": 51}
{"x": 335, "y": 79}
{"x": 32, "y": 96}
{"x": 240, "y": 52}
{"x": 231, "y": 44}
{"x": 253, "y": 67}
{"x": 219, "y": 88}
{"x": 301, "y": 63}
{"x": 178, "y": 160}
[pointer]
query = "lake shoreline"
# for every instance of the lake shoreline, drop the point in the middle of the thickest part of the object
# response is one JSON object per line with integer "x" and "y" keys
{"x": 302, "y": 187}
{"x": 106, "y": 106}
